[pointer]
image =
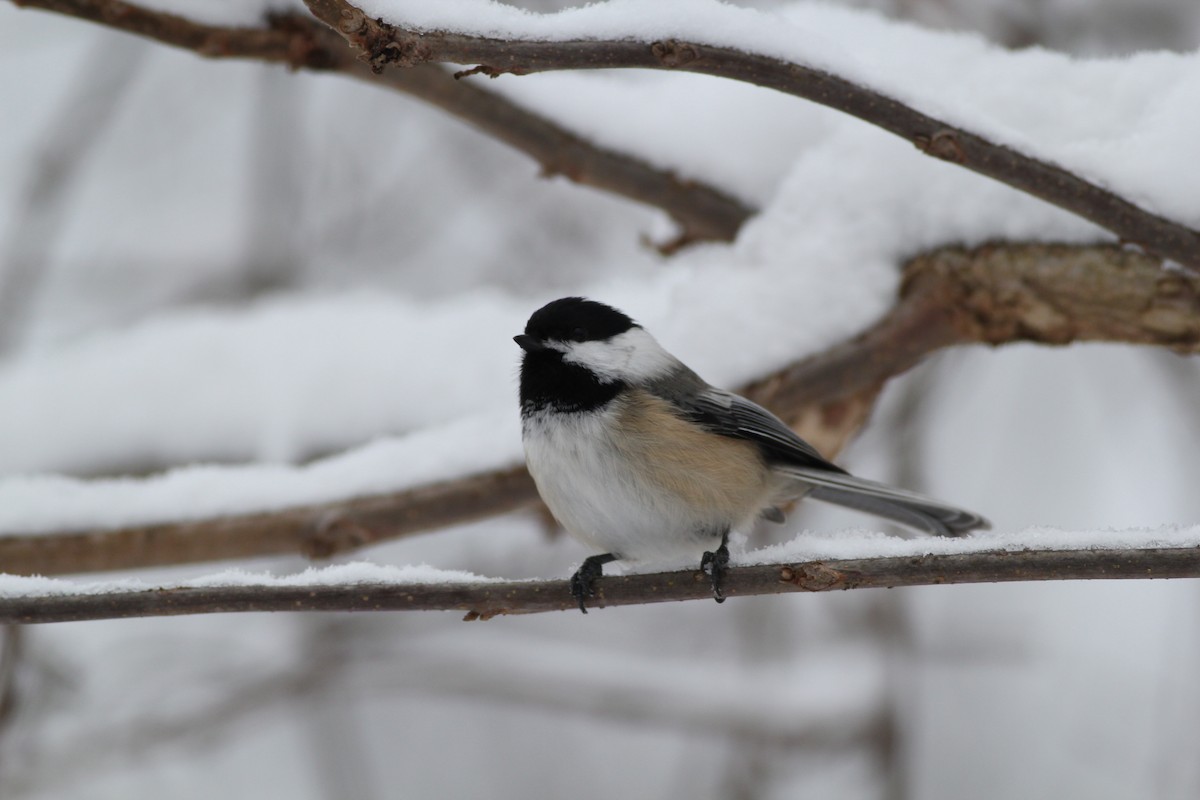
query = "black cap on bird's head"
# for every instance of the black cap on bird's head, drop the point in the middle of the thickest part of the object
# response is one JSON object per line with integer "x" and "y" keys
{"x": 572, "y": 319}
{"x": 580, "y": 353}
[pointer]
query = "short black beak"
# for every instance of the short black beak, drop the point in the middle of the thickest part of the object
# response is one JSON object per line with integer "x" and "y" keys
{"x": 528, "y": 343}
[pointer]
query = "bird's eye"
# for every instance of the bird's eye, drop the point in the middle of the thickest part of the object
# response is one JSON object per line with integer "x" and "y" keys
{"x": 579, "y": 334}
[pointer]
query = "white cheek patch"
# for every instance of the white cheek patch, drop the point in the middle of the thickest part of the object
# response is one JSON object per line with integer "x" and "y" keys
{"x": 633, "y": 355}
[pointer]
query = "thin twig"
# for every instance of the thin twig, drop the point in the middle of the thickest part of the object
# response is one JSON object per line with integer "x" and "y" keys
{"x": 702, "y": 212}
{"x": 1053, "y": 294}
{"x": 383, "y": 45}
{"x": 483, "y": 600}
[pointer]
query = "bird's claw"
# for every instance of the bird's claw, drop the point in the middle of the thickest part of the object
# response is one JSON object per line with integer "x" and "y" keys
{"x": 715, "y": 564}
{"x": 584, "y": 579}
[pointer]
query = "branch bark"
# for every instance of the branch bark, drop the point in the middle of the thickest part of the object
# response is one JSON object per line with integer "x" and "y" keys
{"x": 702, "y": 212}
{"x": 383, "y": 45}
{"x": 998, "y": 294}
{"x": 486, "y": 600}
{"x": 1052, "y": 294}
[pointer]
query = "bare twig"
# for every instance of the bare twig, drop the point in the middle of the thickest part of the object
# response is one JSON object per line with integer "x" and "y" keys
{"x": 383, "y": 45}
{"x": 482, "y": 600}
{"x": 702, "y": 212}
{"x": 1053, "y": 294}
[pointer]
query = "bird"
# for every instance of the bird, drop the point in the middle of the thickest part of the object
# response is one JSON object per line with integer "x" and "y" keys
{"x": 637, "y": 457}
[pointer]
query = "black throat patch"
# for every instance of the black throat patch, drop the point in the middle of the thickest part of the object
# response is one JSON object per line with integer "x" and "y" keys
{"x": 548, "y": 382}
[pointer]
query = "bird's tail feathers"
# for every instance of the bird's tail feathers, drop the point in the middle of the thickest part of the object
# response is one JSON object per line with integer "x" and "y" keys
{"x": 899, "y": 505}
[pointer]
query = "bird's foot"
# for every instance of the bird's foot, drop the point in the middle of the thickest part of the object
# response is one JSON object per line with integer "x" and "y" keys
{"x": 715, "y": 564}
{"x": 582, "y": 582}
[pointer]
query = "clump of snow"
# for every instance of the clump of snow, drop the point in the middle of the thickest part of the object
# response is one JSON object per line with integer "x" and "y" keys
{"x": 43, "y": 503}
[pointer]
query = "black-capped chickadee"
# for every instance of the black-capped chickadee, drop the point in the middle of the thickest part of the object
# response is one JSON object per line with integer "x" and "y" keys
{"x": 638, "y": 457}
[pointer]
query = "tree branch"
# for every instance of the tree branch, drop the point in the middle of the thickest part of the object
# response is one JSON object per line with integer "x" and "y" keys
{"x": 998, "y": 294}
{"x": 1053, "y": 294}
{"x": 481, "y": 600}
{"x": 316, "y": 531}
{"x": 383, "y": 45}
{"x": 702, "y": 212}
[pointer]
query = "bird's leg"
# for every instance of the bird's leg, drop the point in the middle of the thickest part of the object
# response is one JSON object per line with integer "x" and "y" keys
{"x": 715, "y": 565}
{"x": 591, "y": 569}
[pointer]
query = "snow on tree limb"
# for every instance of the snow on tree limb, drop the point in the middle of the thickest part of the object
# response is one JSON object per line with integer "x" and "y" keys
{"x": 384, "y": 45}
{"x": 481, "y": 599}
{"x": 316, "y": 531}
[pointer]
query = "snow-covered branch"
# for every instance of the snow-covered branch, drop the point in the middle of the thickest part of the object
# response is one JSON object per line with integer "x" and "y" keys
{"x": 316, "y": 531}
{"x": 484, "y": 599}
{"x": 384, "y": 44}
{"x": 1053, "y": 294}
{"x": 702, "y": 212}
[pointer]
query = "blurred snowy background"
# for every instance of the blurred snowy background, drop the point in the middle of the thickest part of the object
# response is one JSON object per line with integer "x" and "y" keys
{"x": 228, "y": 263}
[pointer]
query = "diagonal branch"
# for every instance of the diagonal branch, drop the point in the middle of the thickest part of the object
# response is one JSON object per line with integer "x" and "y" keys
{"x": 383, "y": 45}
{"x": 483, "y": 600}
{"x": 702, "y": 212}
{"x": 1053, "y": 294}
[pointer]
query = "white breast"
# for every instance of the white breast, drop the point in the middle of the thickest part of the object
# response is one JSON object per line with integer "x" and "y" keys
{"x": 594, "y": 492}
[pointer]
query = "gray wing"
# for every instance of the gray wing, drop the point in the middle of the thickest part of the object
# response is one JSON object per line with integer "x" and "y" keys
{"x": 732, "y": 415}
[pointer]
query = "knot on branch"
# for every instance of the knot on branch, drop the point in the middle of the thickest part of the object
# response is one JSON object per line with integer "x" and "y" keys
{"x": 671, "y": 53}
{"x": 816, "y": 577}
{"x": 944, "y": 144}
{"x": 382, "y": 44}
{"x": 353, "y": 21}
